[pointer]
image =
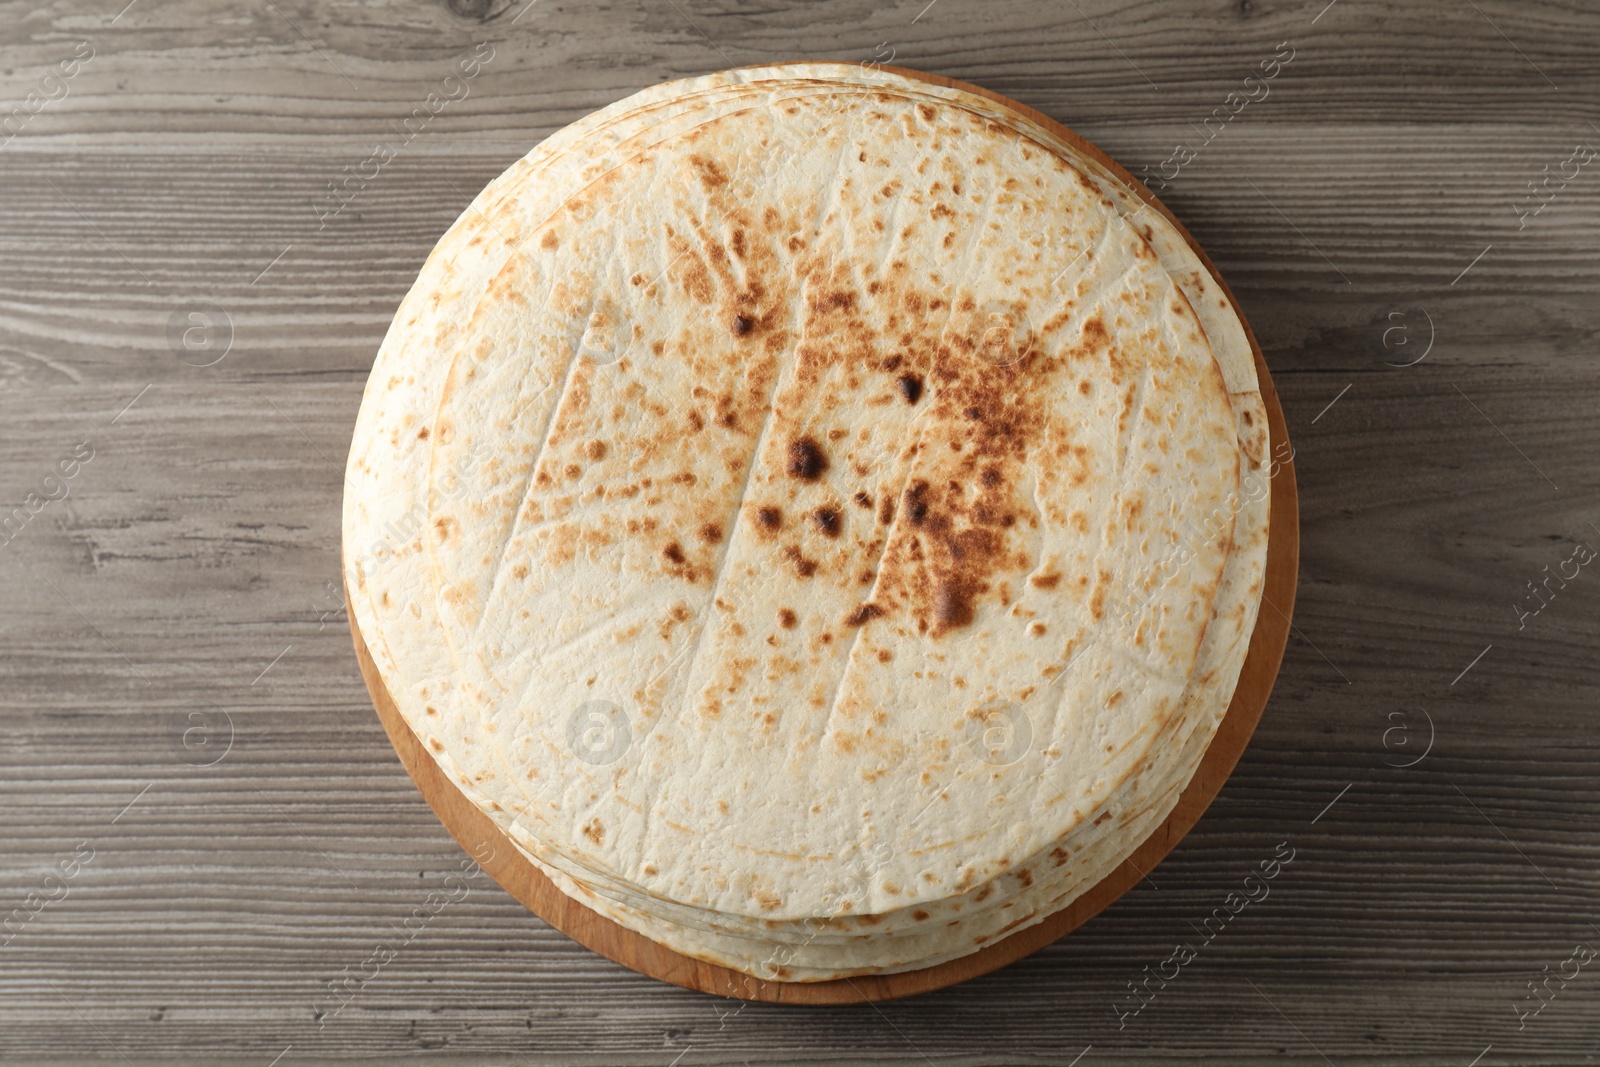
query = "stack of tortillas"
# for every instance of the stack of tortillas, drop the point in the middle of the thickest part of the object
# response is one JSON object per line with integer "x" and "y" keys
{"x": 817, "y": 514}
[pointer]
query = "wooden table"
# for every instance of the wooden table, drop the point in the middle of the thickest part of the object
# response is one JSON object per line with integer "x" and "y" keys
{"x": 211, "y": 855}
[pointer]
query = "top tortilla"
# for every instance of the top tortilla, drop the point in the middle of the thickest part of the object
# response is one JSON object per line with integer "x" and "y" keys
{"x": 1076, "y": 469}
{"x": 416, "y": 666}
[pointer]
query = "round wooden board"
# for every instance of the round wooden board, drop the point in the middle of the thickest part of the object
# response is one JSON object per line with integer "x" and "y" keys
{"x": 477, "y": 833}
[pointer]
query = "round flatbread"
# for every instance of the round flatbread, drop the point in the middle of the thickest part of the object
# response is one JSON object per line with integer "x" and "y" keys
{"x": 712, "y": 834}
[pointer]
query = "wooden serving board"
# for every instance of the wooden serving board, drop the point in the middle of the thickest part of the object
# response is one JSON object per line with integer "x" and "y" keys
{"x": 495, "y": 853}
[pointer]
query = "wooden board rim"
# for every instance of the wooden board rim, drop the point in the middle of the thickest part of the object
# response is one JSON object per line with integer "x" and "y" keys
{"x": 495, "y": 853}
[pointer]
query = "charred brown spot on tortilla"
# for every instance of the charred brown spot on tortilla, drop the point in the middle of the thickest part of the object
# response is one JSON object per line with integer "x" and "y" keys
{"x": 886, "y": 510}
{"x": 712, "y": 174}
{"x": 595, "y": 831}
{"x": 422, "y": 434}
{"x": 952, "y": 604}
{"x": 917, "y": 503}
{"x": 863, "y": 614}
{"x": 804, "y": 567}
{"x": 1095, "y": 334}
{"x": 826, "y": 521}
{"x": 770, "y": 518}
{"x": 950, "y": 549}
{"x": 838, "y": 300}
{"x": 674, "y": 553}
{"x": 884, "y": 655}
{"x": 549, "y": 240}
{"x": 910, "y": 387}
{"x": 786, "y": 618}
{"x": 806, "y": 460}
{"x": 711, "y": 533}
{"x": 519, "y": 571}
{"x": 742, "y": 325}
{"x": 863, "y": 500}
{"x": 595, "y": 449}
{"x": 1046, "y": 581}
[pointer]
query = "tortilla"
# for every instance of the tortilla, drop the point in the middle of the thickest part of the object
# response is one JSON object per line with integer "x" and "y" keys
{"x": 456, "y": 467}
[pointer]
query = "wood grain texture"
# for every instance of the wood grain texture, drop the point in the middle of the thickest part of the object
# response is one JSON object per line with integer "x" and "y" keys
{"x": 200, "y": 541}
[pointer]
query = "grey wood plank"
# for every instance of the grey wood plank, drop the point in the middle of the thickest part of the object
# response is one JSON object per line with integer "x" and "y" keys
{"x": 181, "y": 168}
